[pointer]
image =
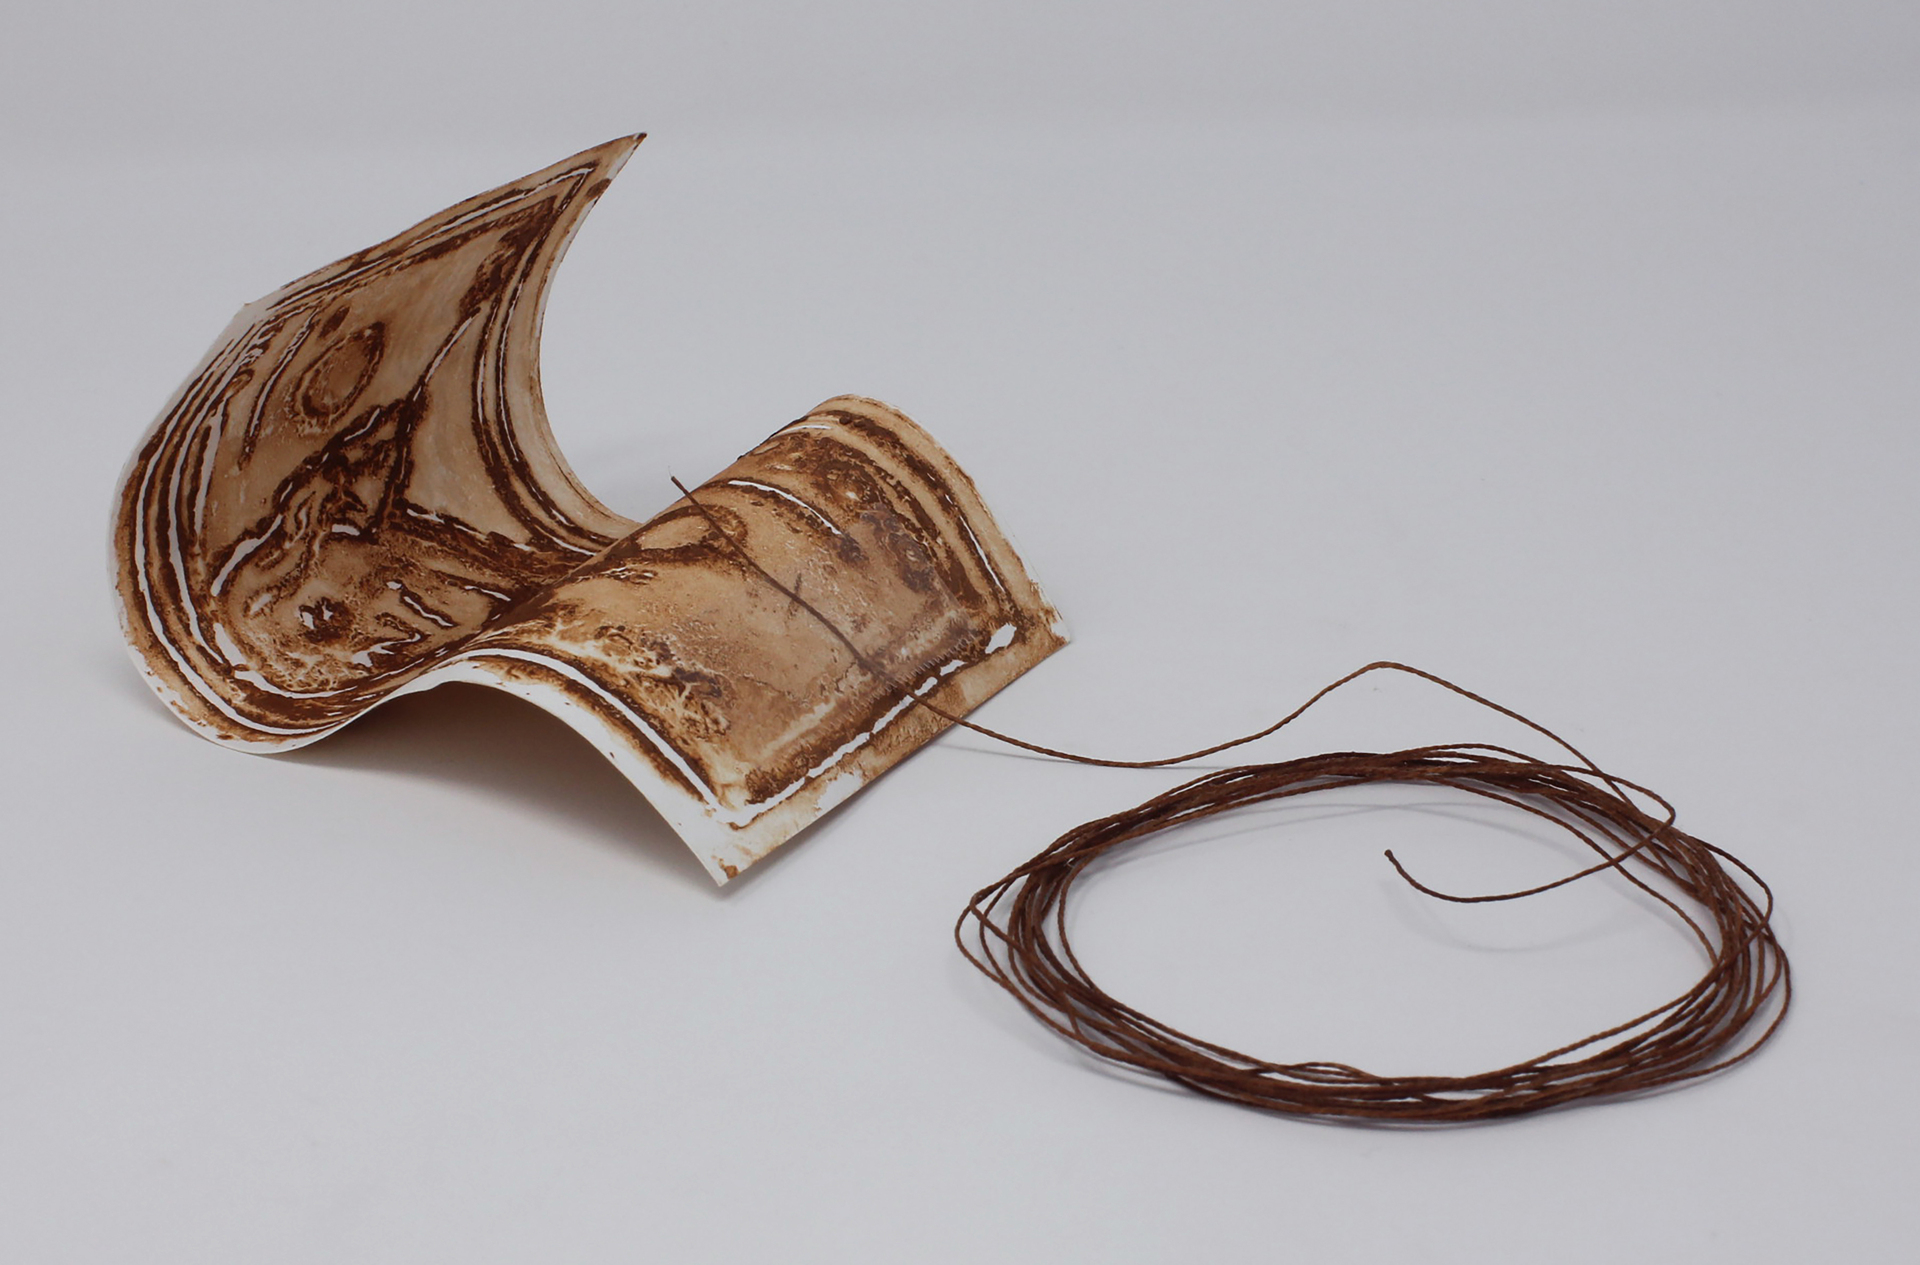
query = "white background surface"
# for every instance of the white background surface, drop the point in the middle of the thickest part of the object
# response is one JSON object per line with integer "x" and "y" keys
{"x": 1565, "y": 349}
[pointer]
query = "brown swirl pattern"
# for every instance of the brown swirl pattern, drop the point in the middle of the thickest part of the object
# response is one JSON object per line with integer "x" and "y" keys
{"x": 357, "y": 495}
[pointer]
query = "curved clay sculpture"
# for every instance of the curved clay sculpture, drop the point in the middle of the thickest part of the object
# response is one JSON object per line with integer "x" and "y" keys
{"x": 357, "y": 496}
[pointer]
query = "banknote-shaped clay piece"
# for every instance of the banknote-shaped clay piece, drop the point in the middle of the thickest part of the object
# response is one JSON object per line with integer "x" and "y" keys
{"x": 357, "y": 496}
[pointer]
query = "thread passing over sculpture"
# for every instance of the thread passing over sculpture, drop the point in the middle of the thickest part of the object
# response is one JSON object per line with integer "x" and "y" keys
{"x": 357, "y": 496}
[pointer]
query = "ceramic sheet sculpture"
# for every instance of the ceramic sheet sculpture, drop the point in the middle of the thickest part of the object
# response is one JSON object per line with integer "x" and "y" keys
{"x": 357, "y": 496}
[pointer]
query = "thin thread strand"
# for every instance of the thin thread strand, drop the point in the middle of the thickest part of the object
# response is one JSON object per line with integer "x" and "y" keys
{"x": 1015, "y": 929}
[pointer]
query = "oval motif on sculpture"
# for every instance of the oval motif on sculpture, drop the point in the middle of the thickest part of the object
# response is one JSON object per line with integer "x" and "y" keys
{"x": 336, "y": 378}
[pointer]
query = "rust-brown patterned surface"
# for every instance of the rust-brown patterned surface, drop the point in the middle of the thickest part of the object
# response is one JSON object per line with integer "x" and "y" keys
{"x": 357, "y": 495}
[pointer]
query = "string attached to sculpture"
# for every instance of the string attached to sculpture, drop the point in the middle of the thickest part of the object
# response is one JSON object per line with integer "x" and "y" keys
{"x": 356, "y": 496}
{"x": 1015, "y": 930}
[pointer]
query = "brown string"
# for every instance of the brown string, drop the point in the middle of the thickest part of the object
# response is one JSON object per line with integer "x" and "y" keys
{"x": 1015, "y": 930}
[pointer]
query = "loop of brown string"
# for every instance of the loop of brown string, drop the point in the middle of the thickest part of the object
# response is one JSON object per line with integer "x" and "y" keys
{"x": 1015, "y": 930}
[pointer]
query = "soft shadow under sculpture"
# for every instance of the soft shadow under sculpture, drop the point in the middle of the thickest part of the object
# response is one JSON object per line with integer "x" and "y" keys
{"x": 357, "y": 496}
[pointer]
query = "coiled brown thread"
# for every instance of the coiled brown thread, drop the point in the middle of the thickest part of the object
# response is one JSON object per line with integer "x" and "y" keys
{"x": 1015, "y": 930}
